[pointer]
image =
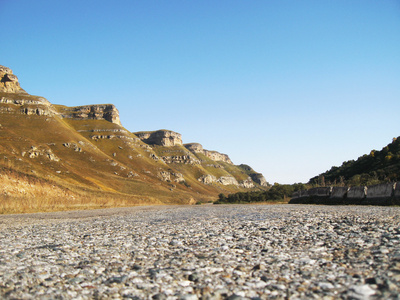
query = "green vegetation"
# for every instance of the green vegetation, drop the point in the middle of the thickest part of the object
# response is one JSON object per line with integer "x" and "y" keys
{"x": 369, "y": 169}
{"x": 277, "y": 193}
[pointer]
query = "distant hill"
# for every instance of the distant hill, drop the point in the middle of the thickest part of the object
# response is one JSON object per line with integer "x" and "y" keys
{"x": 369, "y": 169}
{"x": 56, "y": 157}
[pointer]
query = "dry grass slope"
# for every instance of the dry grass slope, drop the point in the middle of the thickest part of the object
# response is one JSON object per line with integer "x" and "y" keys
{"x": 21, "y": 193}
{"x": 50, "y": 163}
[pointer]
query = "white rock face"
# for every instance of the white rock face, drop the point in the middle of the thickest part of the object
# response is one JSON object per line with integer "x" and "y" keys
{"x": 224, "y": 180}
{"x": 35, "y": 152}
{"x": 195, "y": 147}
{"x": 106, "y": 112}
{"x": 214, "y": 155}
{"x": 227, "y": 180}
{"x": 248, "y": 183}
{"x": 166, "y": 138}
{"x": 8, "y": 81}
{"x": 32, "y": 106}
{"x": 207, "y": 179}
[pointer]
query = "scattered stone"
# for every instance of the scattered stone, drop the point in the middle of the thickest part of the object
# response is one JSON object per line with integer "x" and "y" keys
{"x": 360, "y": 292}
{"x": 203, "y": 252}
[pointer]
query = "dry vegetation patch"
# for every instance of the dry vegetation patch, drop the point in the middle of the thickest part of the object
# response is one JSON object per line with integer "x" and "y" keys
{"x": 22, "y": 193}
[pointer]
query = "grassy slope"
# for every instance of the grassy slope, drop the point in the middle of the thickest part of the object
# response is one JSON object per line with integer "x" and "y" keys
{"x": 88, "y": 172}
{"x": 103, "y": 172}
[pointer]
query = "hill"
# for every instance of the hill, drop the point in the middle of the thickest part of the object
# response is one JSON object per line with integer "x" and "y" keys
{"x": 55, "y": 157}
{"x": 373, "y": 168}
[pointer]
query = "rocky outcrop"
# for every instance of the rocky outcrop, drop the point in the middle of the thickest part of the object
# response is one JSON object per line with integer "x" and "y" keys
{"x": 9, "y": 82}
{"x": 164, "y": 138}
{"x": 256, "y": 177}
{"x": 247, "y": 184}
{"x": 19, "y": 101}
{"x": 33, "y": 106}
{"x": 23, "y": 100}
{"x": 181, "y": 159}
{"x": 259, "y": 178}
{"x": 171, "y": 176}
{"x": 39, "y": 111}
{"x": 73, "y": 146}
{"x": 178, "y": 177}
{"x": 164, "y": 176}
{"x": 224, "y": 180}
{"x": 194, "y": 148}
{"x": 111, "y": 136}
{"x": 35, "y": 152}
{"x": 227, "y": 180}
{"x": 106, "y": 112}
{"x": 207, "y": 179}
{"x": 214, "y": 155}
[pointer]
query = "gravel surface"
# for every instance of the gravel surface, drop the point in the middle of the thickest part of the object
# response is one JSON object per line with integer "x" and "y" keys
{"x": 203, "y": 252}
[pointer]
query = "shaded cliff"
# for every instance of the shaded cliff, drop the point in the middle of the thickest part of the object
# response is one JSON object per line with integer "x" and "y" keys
{"x": 255, "y": 176}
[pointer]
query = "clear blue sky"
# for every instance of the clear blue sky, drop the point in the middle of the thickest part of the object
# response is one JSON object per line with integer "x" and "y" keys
{"x": 289, "y": 87}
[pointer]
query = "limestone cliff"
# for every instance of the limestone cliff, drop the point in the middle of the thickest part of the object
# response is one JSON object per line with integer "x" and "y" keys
{"x": 256, "y": 177}
{"x": 226, "y": 180}
{"x": 9, "y": 82}
{"x": 166, "y": 138}
{"x": 106, "y": 112}
{"x": 194, "y": 147}
{"x": 26, "y": 104}
{"x": 214, "y": 155}
{"x": 14, "y": 100}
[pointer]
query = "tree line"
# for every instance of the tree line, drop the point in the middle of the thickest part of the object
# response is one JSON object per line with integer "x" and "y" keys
{"x": 278, "y": 192}
{"x": 374, "y": 168}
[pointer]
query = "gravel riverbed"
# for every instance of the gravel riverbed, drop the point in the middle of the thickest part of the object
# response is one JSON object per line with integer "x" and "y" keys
{"x": 203, "y": 252}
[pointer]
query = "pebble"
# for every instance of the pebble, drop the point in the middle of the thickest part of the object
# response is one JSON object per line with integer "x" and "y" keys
{"x": 203, "y": 252}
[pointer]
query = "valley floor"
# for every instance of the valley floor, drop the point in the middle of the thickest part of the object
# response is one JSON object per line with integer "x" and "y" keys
{"x": 207, "y": 251}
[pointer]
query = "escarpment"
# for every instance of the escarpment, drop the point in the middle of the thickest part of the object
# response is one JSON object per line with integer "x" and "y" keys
{"x": 259, "y": 178}
{"x": 21, "y": 104}
{"x": 8, "y": 81}
{"x": 106, "y": 112}
{"x": 160, "y": 137}
{"x": 15, "y": 100}
{"x": 214, "y": 155}
{"x": 256, "y": 177}
{"x": 86, "y": 149}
